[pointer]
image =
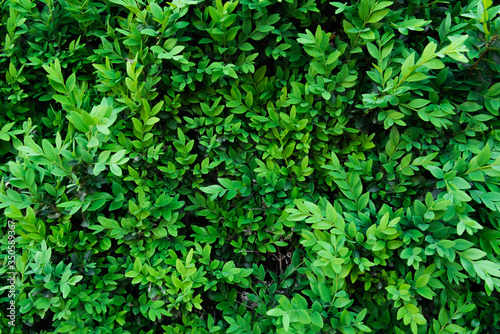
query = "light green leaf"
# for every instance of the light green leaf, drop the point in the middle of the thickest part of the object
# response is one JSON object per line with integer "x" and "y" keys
{"x": 276, "y": 312}
{"x": 378, "y": 15}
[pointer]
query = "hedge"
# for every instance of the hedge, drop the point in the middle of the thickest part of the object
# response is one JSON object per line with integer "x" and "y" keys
{"x": 252, "y": 166}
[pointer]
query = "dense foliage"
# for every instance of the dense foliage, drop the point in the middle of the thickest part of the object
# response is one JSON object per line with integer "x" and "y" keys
{"x": 253, "y": 166}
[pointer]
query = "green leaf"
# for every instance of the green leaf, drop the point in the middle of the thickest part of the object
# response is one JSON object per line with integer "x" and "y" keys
{"x": 422, "y": 281}
{"x": 276, "y": 312}
{"x": 317, "y": 319}
{"x": 453, "y": 328}
{"x": 156, "y": 11}
{"x": 78, "y": 122}
{"x": 378, "y": 15}
{"x": 213, "y": 189}
{"x": 70, "y": 82}
{"x": 341, "y": 302}
{"x": 418, "y": 103}
{"x": 373, "y": 50}
{"x": 137, "y": 265}
{"x": 484, "y": 156}
{"x": 249, "y": 99}
{"x": 332, "y": 57}
{"x": 473, "y": 254}
{"x": 226, "y": 183}
{"x": 93, "y": 142}
{"x": 364, "y": 9}
{"x": 289, "y": 149}
{"x": 65, "y": 329}
{"x": 407, "y": 64}
{"x": 494, "y": 90}
{"x": 470, "y": 106}
{"x": 65, "y": 289}
{"x": 368, "y": 35}
{"x": 286, "y": 322}
{"x": 426, "y": 293}
{"x": 436, "y": 171}
{"x": 246, "y": 47}
{"x": 434, "y": 64}
{"x": 318, "y": 67}
{"x": 417, "y": 76}
{"x": 131, "y": 273}
{"x": 87, "y": 118}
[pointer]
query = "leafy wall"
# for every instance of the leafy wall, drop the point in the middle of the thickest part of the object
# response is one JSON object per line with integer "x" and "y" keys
{"x": 250, "y": 167}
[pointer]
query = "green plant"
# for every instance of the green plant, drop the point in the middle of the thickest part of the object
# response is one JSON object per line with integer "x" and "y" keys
{"x": 250, "y": 166}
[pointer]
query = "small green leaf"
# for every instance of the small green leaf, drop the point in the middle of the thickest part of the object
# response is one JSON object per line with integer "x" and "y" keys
{"x": 422, "y": 281}
{"x": 417, "y": 76}
{"x": 317, "y": 319}
{"x": 246, "y": 47}
{"x": 484, "y": 156}
{"x": 276, "y": 312}
{"x": 436, "y": 171}
{"x": 286, "y": 322}
{"x": 378, "y": 15}
{"x": 473, "y": 254}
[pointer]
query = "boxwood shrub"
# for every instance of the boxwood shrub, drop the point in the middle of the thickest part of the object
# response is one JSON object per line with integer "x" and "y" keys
{"x": 251, "y": 166}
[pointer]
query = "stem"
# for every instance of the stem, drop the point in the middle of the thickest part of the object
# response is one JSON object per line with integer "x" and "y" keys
{"x": 483, "y": 54}
{"x": 357, "y": 36}
{"x": 480, "y": 168}
{"x": 336, "y": 289}
{"x": 456, "y": 312}
{"x": 363, "y": 27}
